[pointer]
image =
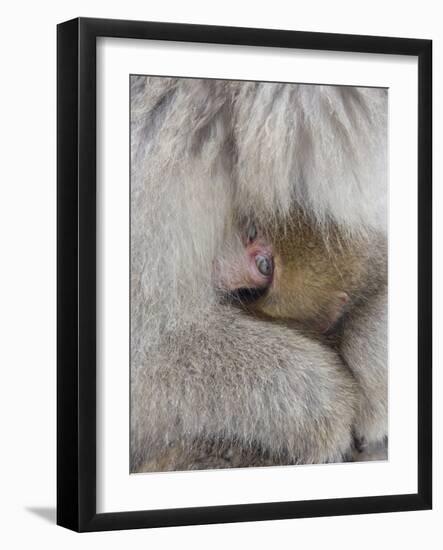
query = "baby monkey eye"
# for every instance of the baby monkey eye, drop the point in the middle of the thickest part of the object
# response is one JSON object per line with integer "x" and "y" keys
{"x": 252, "y": 232}
{"x": 264, "y": 265}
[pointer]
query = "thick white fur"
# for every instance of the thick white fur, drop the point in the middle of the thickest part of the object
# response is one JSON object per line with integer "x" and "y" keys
{"x": 203, "y": 154}
{"x": 321, "y": 147}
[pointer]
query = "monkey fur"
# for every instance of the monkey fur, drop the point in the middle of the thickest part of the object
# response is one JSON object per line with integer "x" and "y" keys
{"x": 213, "y": 386}
{"x": 311, "y": 278}
{"x": 322, "y": 284}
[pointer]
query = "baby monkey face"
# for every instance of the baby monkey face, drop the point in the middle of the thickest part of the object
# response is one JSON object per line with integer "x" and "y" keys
{"x": 247, "y": 263}
{"x": 301, "y": 276}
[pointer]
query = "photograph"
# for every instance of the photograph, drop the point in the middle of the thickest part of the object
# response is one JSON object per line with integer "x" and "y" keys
{"x": 222, "y": 322}
{"x": 244, "y": 318}
{"x": 258, "y": 273}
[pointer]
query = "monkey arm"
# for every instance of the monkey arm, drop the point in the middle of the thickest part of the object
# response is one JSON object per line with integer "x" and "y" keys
{"x": 248, "y": 391}
{"x": 364, "y": 348}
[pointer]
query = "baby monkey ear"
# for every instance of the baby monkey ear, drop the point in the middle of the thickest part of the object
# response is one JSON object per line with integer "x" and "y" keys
{"x": 335, "y": 310}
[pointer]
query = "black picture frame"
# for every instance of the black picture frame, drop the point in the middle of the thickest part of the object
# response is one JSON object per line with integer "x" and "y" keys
{"x": 76, "y": 266}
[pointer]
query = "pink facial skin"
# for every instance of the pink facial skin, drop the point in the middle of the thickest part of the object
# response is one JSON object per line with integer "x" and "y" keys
{"x": 253, "y": 267}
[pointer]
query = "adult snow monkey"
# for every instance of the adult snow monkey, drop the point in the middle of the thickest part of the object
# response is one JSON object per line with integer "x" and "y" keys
{"x": 212, "y": 385}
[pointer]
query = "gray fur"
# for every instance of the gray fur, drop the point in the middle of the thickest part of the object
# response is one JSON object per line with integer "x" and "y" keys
{"x": 235, "y": 379}
{"x": 367, "y": 358}
{"x": 204, "y": 375}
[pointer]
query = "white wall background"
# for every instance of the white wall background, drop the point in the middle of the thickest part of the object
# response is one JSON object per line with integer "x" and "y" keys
{"x": 27, "y": 272}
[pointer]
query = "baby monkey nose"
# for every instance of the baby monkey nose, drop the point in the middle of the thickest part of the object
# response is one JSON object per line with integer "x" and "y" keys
{"x": 264, "y": 265}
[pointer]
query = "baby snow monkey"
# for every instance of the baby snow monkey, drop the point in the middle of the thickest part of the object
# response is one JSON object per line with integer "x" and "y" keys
{"x": 323, "y": 283}
{"x": 297, "y": 273}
